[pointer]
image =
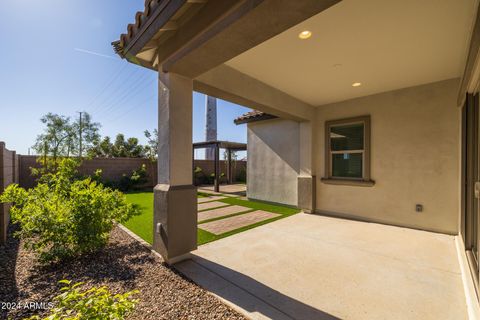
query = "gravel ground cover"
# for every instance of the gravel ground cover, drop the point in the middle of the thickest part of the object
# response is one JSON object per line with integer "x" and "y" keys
{"x": 122, "y": 266}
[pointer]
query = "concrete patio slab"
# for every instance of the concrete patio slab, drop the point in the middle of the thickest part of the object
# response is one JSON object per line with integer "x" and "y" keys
{"x": 210, "y": 205}
{"x": 211, "y": 198}
{"x": 228, "y": 224}
{"x": 220, "y": 212}
{"x": 315, "y": 267}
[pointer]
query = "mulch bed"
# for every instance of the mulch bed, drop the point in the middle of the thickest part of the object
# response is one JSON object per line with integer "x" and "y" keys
{"x": 124, "y": 265}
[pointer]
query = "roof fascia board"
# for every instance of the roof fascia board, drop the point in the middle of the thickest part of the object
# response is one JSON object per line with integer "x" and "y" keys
{"x": 205, "y": 35}
{"x": 157, "y": 20}
{"x": 194, "y": 31}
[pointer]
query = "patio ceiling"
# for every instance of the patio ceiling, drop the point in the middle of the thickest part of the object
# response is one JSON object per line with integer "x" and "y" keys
{"x": 384, "y": 45}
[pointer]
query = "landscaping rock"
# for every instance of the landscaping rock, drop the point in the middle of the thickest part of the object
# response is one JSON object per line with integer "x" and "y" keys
{"x": 123, "y": 265}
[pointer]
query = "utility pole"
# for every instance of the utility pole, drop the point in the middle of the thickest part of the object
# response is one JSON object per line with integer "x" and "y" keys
{"x": 80, "y": 135}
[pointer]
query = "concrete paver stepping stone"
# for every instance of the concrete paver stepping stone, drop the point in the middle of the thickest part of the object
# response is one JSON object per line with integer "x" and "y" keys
{"x": 228, "y": 224}
{"x": 211, "y": 205}
{"x": 220, "y": 212}
{"x": 206, "y": 199}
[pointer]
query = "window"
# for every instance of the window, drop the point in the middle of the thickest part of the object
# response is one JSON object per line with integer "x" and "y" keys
{"x": 347, "y": 151}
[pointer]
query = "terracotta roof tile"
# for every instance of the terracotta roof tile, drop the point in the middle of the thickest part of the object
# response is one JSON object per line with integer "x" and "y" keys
{"x": 140, "y": 18}
{"x": 253, "y": 115}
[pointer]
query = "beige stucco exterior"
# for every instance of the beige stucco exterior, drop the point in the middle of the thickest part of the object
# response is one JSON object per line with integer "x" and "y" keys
{"x": 415, "y": 159}
{"x": 389, "y": 63}
{"x": 415, "y": 143}
{"x": 273, "y": 161}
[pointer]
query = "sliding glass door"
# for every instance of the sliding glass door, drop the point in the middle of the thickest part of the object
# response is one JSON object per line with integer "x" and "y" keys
{"x": 471, "y": 136}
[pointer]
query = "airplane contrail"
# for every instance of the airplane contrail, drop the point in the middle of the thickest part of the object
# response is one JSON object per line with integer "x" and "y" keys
{"x": 95, "y": 53}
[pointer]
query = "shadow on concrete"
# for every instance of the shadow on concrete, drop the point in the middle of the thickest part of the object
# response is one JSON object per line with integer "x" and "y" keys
{"x": 246, "y": 292}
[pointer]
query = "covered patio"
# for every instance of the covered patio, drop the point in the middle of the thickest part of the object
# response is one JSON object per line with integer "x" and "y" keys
{"x": 374, "y": 117}
{"x": 315, "y": 267}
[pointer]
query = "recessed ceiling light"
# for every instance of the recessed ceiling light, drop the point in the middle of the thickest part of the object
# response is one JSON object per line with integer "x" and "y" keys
{"x": 305, "y": 34}
{"x": 356, "y": 84}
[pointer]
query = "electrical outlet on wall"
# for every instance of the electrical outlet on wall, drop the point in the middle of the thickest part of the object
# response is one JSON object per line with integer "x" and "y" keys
{"x": 419, "y": 207}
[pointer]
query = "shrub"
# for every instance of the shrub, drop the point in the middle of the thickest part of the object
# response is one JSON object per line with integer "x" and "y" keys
{"x": 137, "y": 178}
{"x": 95, "y": 303}
{"x": 241, "y": 176}
{"x": 199, "y": 176}
{"x": 62, "y": 217}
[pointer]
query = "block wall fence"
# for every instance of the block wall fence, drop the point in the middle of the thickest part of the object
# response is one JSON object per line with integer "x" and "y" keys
{"x": 9, "y": 173}
{"x": 114, "y": 168}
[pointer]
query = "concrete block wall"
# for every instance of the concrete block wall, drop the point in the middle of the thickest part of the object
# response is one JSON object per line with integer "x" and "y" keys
{"x": 8, "y": 174}
{"x": 114, "y": 168}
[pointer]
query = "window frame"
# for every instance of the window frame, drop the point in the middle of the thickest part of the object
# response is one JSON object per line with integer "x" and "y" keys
{"x": 365, "y": 180}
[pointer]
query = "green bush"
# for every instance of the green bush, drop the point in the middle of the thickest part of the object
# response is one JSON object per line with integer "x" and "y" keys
{"x": 199, "y": 176}
{"x": 63, "y": 217}
{"x": 94, "y": 303}
{"x": 137, "y": 178}
{"x": 241, "y": 175}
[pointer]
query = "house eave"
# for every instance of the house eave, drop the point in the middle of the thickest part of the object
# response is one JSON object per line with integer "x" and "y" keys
{"x": 255, "y": 119}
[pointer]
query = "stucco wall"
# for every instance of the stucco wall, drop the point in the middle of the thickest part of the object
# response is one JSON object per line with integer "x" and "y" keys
{"x": 415, "y": 146}
{"x": 273, "y": 161}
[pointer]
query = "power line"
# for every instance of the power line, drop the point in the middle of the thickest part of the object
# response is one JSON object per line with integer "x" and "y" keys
{"x": 133, "y": 108}
{"x": 122, "y": 94}
{"x": 106, "y": 86}
{"x": 112, "y": 93}
{"x": 132, "y": 92}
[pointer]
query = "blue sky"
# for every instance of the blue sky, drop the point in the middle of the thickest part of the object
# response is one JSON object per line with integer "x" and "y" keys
{"x": 56, "y": 57}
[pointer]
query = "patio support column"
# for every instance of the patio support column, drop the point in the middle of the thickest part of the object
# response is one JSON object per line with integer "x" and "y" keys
{"x": 229, "y": 166}
{"x": 217, "y": 168}
{"x": 175, "y": 198}
{"x": 306, "y": 178}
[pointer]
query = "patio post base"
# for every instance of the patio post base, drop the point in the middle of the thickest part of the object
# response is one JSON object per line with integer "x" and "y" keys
{"x": 174, "y": 221}
{"x": 306, "y": 193}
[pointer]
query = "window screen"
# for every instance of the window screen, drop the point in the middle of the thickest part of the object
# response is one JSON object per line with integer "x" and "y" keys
{"x": 347, "y": 150}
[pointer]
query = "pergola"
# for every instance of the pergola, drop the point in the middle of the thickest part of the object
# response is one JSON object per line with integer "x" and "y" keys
{"x": 217, "y": 145}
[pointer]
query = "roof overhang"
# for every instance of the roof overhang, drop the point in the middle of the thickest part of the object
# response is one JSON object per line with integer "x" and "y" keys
{"x": 190, "y": 37}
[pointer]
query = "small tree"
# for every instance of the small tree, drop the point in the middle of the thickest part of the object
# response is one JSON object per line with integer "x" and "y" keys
{"x": 61, "y": 136}
{"x": 151, "y": 149}
{"x": 62, "y": 217}
{"x": 121, "y": 147}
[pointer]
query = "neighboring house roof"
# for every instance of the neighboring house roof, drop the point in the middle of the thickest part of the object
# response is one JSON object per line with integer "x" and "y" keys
{"x": 252, "y": 116}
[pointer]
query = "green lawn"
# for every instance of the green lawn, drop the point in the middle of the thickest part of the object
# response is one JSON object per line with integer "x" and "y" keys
{"x": 142, "y": 225}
